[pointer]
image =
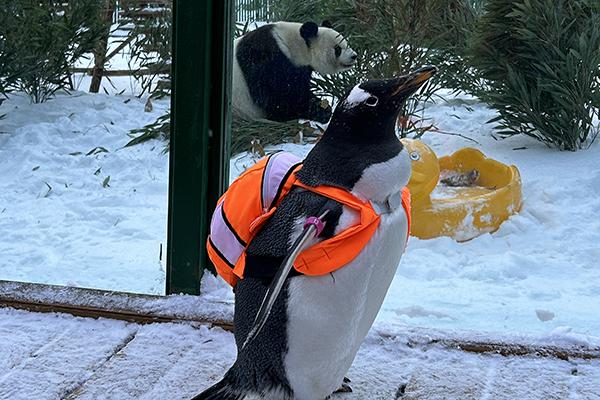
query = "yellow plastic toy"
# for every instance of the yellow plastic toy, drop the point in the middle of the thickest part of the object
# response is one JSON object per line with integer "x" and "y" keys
{"x": 462, "y": 195}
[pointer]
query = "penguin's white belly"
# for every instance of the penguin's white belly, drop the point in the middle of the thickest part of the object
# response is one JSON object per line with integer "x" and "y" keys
{"x": 329, "y": 316}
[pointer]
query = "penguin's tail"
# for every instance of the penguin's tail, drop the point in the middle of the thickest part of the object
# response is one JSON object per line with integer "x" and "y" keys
{"x": 222, "y": 390}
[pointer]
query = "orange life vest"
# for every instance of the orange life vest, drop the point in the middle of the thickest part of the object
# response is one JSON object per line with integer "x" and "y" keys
{"x": 253, "y": 198}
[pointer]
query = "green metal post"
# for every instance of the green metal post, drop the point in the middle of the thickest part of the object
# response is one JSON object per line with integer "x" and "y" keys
{"x": 199, "y": 147}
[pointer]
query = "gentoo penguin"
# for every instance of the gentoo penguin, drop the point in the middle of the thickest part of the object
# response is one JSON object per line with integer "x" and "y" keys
{"x": 317, "y": 323}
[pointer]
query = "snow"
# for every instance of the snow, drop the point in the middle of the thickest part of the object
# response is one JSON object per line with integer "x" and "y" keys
{"x": 175, "y": 307}
{"x": 82, "y": 234}
{"x": 448, "y": 192}
{"x": 60, "y": 224}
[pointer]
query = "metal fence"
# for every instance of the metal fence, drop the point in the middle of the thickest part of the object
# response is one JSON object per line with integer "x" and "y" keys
{"x": 245, "y": 10}
{"x": 252, "y": 10}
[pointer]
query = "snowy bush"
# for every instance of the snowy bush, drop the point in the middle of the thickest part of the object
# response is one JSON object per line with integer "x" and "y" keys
{"x": 40, "y": 41}
{"x": 7, "y": 79}
{"x": 541, "y": 60}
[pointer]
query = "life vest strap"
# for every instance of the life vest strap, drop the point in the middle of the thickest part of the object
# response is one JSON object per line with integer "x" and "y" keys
{"x": 253, "y": 198}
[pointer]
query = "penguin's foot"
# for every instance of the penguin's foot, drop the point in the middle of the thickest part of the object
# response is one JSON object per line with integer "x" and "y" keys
{"x": 345, "y": 388}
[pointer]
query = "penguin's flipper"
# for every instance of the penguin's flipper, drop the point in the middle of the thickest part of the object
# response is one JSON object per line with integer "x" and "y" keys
{"x": 220, "y": 391}
{"x": 310, "y": 231}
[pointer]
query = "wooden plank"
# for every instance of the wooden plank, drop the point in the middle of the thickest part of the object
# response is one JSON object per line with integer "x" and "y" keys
{"x": 516, "y": 349}
{"x": 585, "y": 380}
{"x": 132, "y": 307}
{"x": 144, "y": 309}
{"x": 71, "y": 350}
{"x": 455, "y": 375}
{"x": 380, "y": 370}
{"x": 433, "y": 380}
{"x": 482, "y": 343}
{"x": 162, "y": 362}
{"x": 531, "y": 378}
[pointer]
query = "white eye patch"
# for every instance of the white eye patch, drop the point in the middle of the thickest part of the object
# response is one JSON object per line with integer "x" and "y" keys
{"x": 356, "y": 96}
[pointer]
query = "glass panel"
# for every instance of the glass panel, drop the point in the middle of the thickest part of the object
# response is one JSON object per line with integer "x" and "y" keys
{"x": 84, "y": 114}
{"x": 493, "y": 248}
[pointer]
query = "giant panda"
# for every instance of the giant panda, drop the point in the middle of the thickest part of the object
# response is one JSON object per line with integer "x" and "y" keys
{"x": 273, "y": 66}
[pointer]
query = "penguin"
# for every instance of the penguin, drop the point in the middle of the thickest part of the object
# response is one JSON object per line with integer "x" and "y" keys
{"x": 318, "y": 323}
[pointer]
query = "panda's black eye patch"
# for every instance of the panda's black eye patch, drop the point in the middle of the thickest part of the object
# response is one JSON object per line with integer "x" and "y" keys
{"x": 372, "y": 101}
{"x": 338, "y": 50}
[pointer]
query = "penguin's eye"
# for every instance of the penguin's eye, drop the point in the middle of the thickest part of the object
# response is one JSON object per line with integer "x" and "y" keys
{"x": 415, "y": 156}
{"x": 372, "y": 101}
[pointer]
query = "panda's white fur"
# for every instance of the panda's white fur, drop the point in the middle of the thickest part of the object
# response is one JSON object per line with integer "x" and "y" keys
{"x": 320, "y": 56}
{"x": 265, "y": 86}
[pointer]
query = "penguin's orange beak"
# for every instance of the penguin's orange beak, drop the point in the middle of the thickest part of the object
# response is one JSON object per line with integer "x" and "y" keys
{"x": 408, "y": 84}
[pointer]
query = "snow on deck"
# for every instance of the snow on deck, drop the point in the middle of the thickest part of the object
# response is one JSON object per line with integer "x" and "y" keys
{"x": 58, "y": 356}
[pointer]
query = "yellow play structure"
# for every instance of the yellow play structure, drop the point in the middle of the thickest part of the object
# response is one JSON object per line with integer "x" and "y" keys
{"x": 461, "y": 195}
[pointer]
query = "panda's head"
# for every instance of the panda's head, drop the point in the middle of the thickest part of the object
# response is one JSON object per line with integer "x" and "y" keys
{"x": 320, "y": 47}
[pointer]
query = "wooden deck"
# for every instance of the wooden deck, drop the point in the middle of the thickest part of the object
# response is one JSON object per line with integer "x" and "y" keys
{"x": 60, "y": 356}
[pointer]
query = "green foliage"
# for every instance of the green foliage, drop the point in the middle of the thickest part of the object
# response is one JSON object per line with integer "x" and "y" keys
{"x": 541, "y": 63}
{"x": 248, "y": 135}
{"x": 159, "y": 129}
{"x": 7, "y": 79}
{"x": 253, "y": 135}
{"x": 40, "y": 41}
{"x": 151, "y": 49}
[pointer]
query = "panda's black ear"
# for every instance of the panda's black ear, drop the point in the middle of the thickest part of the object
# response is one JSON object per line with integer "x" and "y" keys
{"x": 327, "y": 24}
{"x": 309, "y": 30}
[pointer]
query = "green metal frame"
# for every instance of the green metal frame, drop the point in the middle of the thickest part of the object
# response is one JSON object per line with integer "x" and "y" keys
{"x": 200, "y": 132}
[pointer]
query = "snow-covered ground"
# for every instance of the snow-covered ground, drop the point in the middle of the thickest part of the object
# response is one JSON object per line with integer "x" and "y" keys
{"x": 76, "y": 208}
{"x": 537, "y": 274}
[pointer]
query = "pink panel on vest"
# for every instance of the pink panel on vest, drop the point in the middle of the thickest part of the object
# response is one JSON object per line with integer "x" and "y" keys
{"x": 277, "y": 167}
{"x": 222, "y": 237}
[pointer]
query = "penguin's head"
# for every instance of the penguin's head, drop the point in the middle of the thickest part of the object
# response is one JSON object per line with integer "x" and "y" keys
{"x": 362, "y": 133}
{"x": 371, "y": 108}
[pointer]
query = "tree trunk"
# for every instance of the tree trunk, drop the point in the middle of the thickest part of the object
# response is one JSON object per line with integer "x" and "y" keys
{"x": 101, "y": 49}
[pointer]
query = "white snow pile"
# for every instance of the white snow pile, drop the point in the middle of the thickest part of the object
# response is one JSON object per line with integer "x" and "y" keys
{"x": 65, "y": 222}
{"x": 76, "y": 208}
